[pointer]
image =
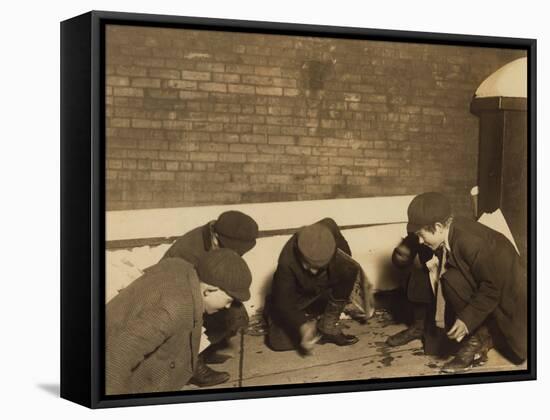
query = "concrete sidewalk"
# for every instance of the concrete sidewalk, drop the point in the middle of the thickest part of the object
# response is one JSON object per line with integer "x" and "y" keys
{"x": 255, "y": 364}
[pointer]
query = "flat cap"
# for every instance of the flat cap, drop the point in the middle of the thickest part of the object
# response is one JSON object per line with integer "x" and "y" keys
{"x": 316, "y": 244}
{"x": 226, "y": 269}
{"x": 426, "y": 209}
{"x": 236, "y": 231}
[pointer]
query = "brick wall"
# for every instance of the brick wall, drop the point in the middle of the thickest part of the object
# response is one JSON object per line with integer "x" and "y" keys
{"x": 204, "y": 117}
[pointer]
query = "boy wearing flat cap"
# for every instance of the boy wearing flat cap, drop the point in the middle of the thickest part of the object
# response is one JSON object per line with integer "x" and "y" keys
{"x": 232, "y": 230}
{"x": 312, "y": 278}
{"x": 480, "y": 292}
{"x": 153, "y": 326}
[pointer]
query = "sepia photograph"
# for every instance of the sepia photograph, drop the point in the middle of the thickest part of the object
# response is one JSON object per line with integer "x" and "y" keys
{"x": 285, "y": 209}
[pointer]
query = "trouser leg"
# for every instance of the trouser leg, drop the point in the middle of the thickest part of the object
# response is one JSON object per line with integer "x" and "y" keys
{"x": 457, "y": 293}
{"x": 219, "y": 328}
{"x": 413, "y": 332}
{"x": 474, "y": 347}
{"x": 342, "y": 277}
{"x": 419, "y": 288}
{"x": 420, "y": 315}
{"x": 419, "y": 296}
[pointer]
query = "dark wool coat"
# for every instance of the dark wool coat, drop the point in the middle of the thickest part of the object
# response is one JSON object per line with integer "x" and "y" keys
{"x": 294, "y": 288}
{"x": 418, "y": 287}
{"x": 153, "y": 330}
{"x": 493, "y": 281}
{"x": 193, "y": 245}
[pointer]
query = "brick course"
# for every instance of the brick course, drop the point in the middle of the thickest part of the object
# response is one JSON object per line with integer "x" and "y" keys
{"x": 200, "y": 117}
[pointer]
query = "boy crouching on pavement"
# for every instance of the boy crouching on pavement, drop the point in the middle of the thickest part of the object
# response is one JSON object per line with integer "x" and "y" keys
{"x": 232, "y": 230}
{"x": 480, "y": 292}
{"x": 314, "y": 277}
{"x": 154, "y": 326}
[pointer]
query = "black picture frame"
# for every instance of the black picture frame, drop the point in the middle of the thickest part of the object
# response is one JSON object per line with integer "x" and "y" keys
{"x": 83, "y": 206}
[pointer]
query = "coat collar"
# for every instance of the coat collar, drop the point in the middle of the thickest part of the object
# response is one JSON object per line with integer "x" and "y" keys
{"x": 208, "y": 236}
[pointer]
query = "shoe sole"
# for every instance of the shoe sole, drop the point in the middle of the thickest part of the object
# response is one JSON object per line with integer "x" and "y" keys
{"x": 456, "y": 370}
{"x": 479, "y": 360}
{"x": 200, "y": 385}
{"x": 322, "y": 342}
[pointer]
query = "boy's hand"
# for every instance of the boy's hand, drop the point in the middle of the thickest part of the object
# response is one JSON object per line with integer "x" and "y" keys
{"x": 405, "y": 253}
{"x": 308, "y": 332}
{"x": 402, "y": 256}
{"x": 458, "y": 331}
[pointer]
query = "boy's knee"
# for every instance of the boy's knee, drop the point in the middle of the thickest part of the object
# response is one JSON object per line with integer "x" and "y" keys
{"x": 276, "y": 344}
{"x": 456, "y": 289}
{"x": 277, "y": 339}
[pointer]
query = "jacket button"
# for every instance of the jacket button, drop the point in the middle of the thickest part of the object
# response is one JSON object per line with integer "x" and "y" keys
{"x": 172, "y": 365}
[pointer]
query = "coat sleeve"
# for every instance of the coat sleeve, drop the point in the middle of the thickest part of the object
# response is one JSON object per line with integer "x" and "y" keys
{"x": 285, "y": 296}
{"x": 489, "y": 288}
{"x": 134, "y": 342}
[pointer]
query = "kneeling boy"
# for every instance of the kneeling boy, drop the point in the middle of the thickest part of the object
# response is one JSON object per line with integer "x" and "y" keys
{"x": 312, "y": 279}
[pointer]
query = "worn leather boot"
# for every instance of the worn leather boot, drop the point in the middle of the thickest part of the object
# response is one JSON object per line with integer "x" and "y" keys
{"x": 414, "y": 332}
{"x": 328, "y": 326}
{"x": 469, "y": 352}
{"x": 486, "y": 344}
{"x": 213, "y": 358}
{"x": 205, "y": 376}
{"x": 218, "y": 353}
{"x": 339, "y": 339}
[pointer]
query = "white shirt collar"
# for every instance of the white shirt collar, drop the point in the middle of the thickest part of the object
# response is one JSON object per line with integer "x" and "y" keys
{"x": 214, "y": 241}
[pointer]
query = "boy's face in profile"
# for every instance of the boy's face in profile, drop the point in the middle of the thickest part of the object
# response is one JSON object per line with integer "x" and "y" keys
{"x": 432, "y": 239}
{"x": 215, "y": 299}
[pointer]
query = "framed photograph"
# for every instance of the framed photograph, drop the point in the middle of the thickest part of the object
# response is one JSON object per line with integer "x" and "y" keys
{"x": 254, "y": 209}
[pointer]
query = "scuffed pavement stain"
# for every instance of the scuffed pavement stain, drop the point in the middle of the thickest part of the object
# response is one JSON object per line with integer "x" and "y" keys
{"x": 384, "y": 350}
{"x": 387, "y": 361}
